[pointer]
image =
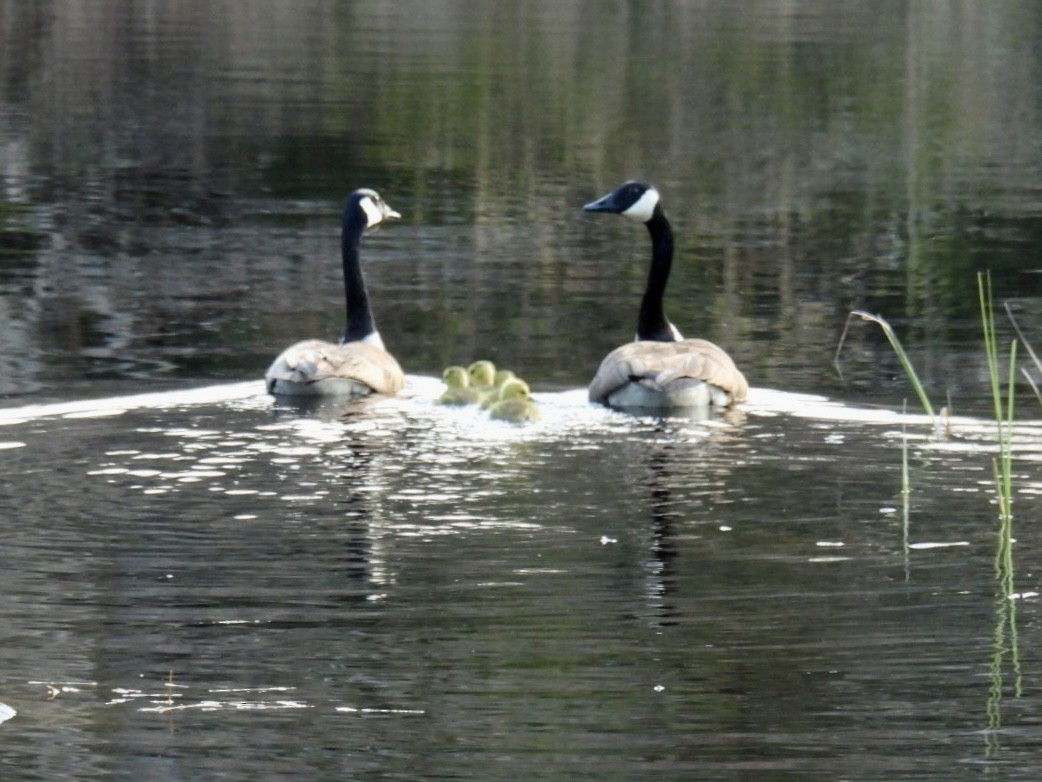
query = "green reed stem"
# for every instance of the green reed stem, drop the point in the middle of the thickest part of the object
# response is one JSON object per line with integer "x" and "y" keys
{"x": 1031, "y": 352}
{"x": 1005, "y": 639}
{"x": 895, "y": 343}
{"x": 906, "y": 495}
{"x": 1003, "y": 465}
{"x": 991, "y": 352}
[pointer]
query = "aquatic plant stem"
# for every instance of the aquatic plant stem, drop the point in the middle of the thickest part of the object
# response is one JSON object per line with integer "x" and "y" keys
{"x": 1005, "y": 639}
{"x": 1031, "y": 352}
{"x": 906, "y": 494}
{"x": 895, "y": 343}
{"x": 1003, "y": 465}
{"x": 991, "y": 353}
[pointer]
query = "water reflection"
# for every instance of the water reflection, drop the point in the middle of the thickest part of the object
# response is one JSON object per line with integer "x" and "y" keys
{"x": 664, "y": 516}
{"x": 396, "y": 559}
{"x": 201, "y": 581}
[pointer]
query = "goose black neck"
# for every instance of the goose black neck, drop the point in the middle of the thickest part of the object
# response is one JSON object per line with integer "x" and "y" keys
{"x": 652, "y": 323}
{"x": 359, "y": 317}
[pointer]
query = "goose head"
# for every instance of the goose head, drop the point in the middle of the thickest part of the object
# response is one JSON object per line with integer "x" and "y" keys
{"x": 635, "y": 200}
{"x": 458, "y": 390}
{"x": 514, "y": 388}
{"x": 482, "y": 373}
{"x": 455, "y": 377}
{"x": 367, "y": 205}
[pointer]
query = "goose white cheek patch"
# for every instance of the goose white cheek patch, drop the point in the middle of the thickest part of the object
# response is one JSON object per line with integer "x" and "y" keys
{"x": 373, "y": 215}
{"x": 644, "y": 206}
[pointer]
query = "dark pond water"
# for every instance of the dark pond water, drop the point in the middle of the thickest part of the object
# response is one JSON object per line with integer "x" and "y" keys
{"x": 201, "y": 584}
{"x": 198, "y": 584}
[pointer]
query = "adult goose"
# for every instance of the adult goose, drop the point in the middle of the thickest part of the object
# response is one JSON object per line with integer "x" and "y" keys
{"x": 359, "y": 364}
{"x": 660, "y": 370}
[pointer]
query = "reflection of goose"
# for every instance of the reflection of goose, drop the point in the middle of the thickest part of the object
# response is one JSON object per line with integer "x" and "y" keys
{"x": 515, "y": 403}
{"x": 359, "y": 364}
{"x": 458, "y": 390}
{"x": 660, "y": 369}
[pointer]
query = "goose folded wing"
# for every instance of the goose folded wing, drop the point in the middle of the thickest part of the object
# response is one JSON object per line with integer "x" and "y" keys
{"x": 314, "y": 360}
{"x": 657, "y": 364}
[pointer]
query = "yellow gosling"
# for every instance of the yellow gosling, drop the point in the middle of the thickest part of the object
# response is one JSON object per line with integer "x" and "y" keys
{"x": 482, "y": 374}
{"x": 491, "y": 395}
{"x": 515, "y": 403}
{"x": 457, "y": 388}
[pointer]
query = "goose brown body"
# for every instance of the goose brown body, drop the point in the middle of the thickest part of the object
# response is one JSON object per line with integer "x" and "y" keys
{"x": 685, "y": 373}
{"x": 314, "y": 367}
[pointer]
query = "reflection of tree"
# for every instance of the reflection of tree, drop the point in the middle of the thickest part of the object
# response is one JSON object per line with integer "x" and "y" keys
{"x": 820, "y": 162}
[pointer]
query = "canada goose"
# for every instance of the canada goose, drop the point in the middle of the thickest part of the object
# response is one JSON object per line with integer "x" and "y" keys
{"x": 458, "y": 390}
{"x": 359, "y": 364}
{"x": 515, "y": 403}
{"x": 661, "y": 369}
